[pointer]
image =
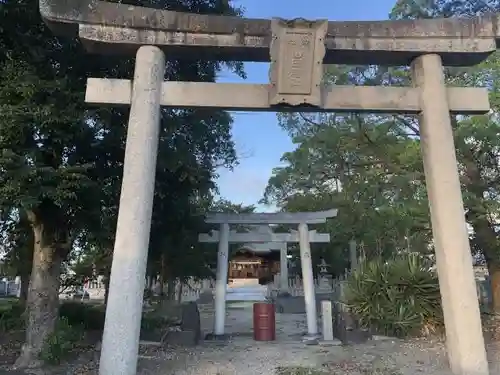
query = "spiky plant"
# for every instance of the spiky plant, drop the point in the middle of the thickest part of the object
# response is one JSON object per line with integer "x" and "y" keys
{"x": 398, "y": 297}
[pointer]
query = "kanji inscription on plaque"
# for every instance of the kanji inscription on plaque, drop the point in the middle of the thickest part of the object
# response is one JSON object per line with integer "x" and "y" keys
{"x": 297, "y": 51}
{"x": 295, "y": 75}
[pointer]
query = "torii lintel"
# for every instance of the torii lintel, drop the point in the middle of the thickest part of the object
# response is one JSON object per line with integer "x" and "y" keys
{"x": 318, "y": 217}
{"x": 106, "y": 27}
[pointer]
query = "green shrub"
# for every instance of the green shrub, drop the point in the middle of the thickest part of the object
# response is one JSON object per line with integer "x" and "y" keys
{"x": 89, "y": 317}
{"x": 12, "y": 316}
{"x": 399, "y": 297}
{"x": 81, "y": 314}
{"x": 61, "y": 342}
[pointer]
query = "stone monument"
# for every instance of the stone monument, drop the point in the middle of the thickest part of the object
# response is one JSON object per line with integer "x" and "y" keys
{"x": 324, "y": 276}
{"x": 296, "y": 49}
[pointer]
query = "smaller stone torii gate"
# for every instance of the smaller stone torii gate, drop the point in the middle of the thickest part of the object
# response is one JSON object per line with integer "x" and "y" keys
{"x": 303, "y": 236}
{"x": 296, "y": 50}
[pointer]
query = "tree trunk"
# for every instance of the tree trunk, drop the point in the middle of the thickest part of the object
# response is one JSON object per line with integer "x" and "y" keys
{"x": 25, "y": 282}
{"x": 485, "y": 238}
{"x": 163, "y": 276}
{"x": 25, "y": 256}
{"x": 494, "y": 271}
{"x": 107, "y": 277}
{"x": 171, "y": 289}
{"x": 150, "y": 284}
{"x": 179, "y": 296}
{"x": 161, "y": 288}
{"x": 43, "y": 298}
{"x": 494, "y": 329}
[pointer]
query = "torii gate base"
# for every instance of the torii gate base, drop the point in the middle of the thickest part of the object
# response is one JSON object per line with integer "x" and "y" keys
{"x": 297, "y": 49}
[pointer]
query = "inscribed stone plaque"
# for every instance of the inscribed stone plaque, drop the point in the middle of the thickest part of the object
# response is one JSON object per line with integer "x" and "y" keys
{"x": 297, "y": 52}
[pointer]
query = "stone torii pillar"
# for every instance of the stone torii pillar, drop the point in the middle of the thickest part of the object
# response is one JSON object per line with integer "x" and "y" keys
{"x": 221, "y": 280}
{"x": 308, "y": 282}
{"x": 120, "y": 341}
{"x": 451, "y": 238}
{"x": 303, "y": 236}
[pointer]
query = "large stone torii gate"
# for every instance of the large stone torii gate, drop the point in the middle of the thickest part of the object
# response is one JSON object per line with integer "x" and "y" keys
{"x": 303, "y": 236}
{"x": 296, "y": 50}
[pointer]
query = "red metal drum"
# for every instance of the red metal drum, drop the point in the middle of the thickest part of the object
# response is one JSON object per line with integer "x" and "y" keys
{"x": 264, "y": 322}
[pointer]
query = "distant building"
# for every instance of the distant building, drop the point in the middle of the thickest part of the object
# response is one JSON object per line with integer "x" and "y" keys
{"x": 253, "y": 266}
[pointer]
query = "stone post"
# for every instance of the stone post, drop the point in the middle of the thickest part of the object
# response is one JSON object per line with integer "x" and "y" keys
{"x": 283, "y": 268}
{"x": 308, "y": 281}
{"x": 221, "y": 281}
{"x": 327, "y": 320}
{"x": 353, "y": 254}
{"x": 464, "y": 336}
{"x": 120, "y": 341}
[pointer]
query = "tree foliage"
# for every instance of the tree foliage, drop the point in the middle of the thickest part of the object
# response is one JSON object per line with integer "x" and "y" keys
{"x": 61, "y": 161}
{"x": 476, "y": 139}
{"x": 369, "y": 166}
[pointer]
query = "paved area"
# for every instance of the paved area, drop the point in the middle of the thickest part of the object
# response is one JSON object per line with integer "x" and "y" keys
{"x": 239, "y": 322}
{"x": 246, "y": 293}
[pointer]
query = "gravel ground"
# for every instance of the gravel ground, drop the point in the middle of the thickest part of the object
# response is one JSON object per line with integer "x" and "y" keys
{"x": 286, "y": 356}
{"x": 243, "y": 356}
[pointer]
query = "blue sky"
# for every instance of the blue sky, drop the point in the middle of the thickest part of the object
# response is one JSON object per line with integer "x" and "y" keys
{"x": 260, "y": 142}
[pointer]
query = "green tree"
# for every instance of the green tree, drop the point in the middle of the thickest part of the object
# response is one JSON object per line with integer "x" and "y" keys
{"x": 176, "y": 254}
{"x": 371, "y": 165}
{"x": 476, "y": 138}
{"x": 228, "y": 207}
{"x": 61, "y": 162}
{"x": 47, "y": 152}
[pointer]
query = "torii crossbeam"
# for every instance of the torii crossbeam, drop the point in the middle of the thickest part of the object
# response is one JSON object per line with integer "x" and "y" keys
{"x": 236, "y": 237}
